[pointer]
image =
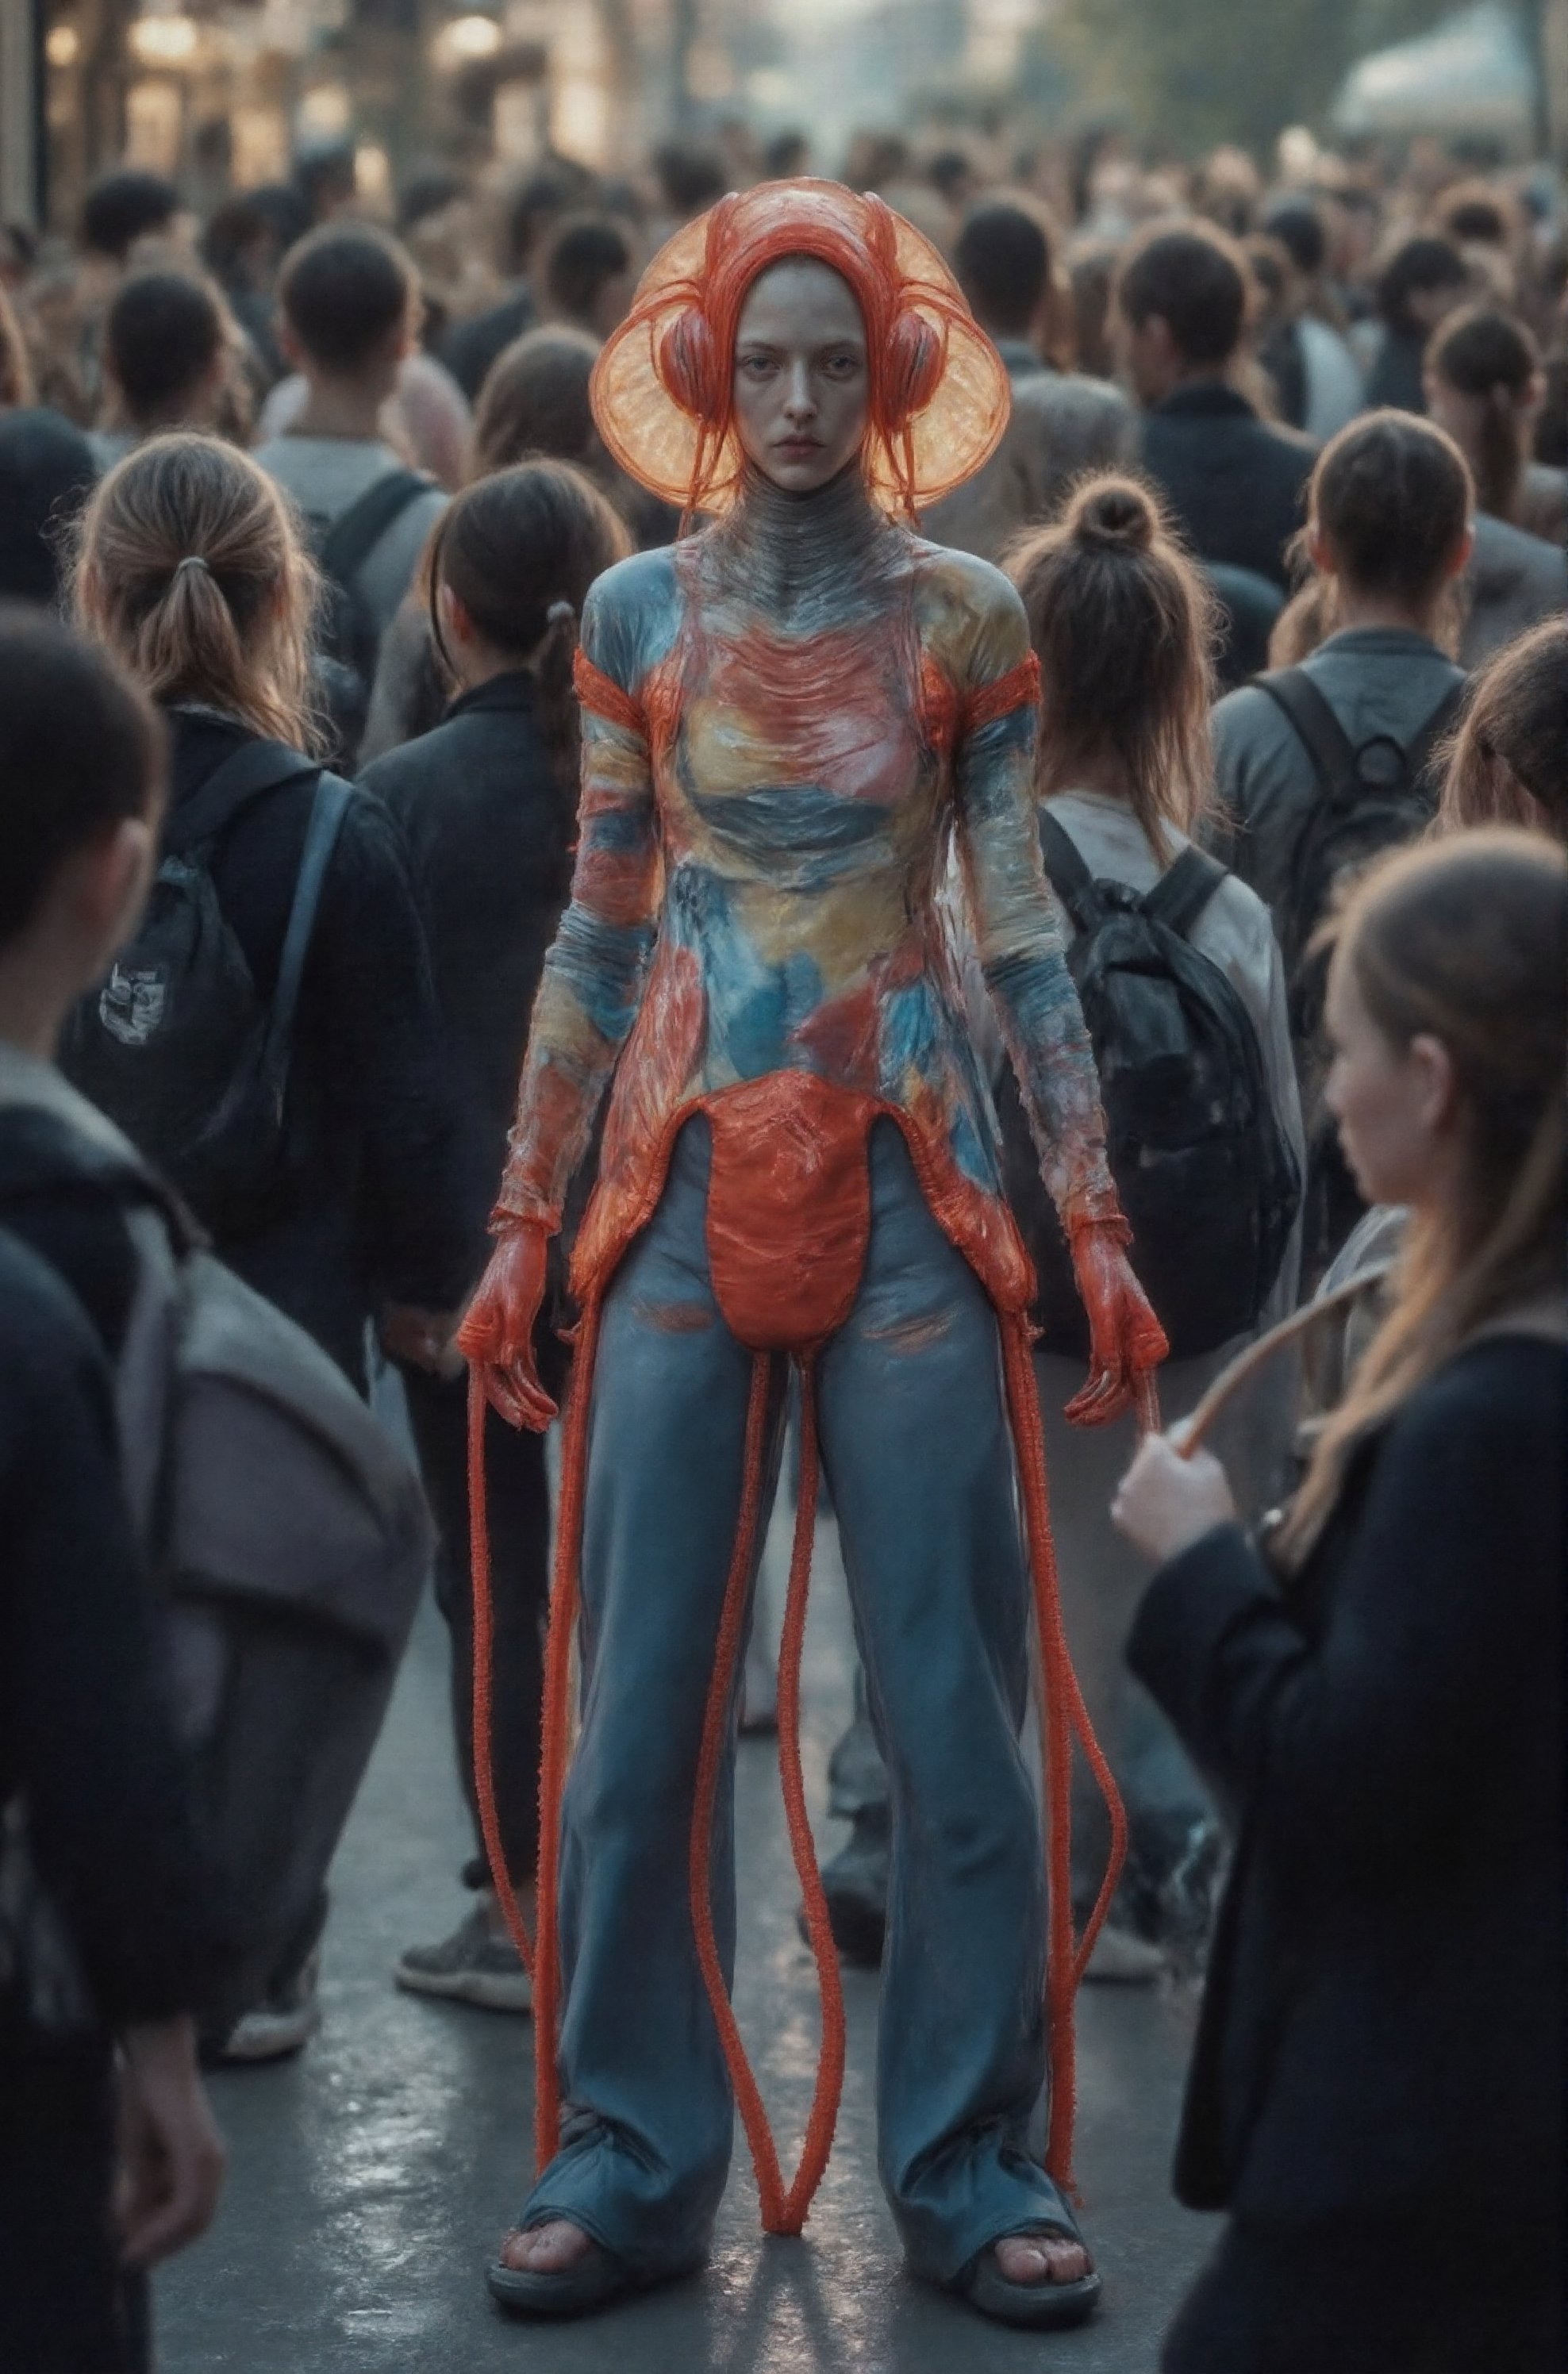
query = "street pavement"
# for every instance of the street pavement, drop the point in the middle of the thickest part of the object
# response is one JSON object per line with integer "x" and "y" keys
{"x": 370, "y": 2177}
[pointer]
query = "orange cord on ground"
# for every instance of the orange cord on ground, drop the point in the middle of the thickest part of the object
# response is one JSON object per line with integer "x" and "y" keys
{"x": 484, "y": 1663}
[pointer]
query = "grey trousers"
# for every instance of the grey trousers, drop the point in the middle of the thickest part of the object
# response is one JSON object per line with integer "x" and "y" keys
{"x": 918, "y": 1455}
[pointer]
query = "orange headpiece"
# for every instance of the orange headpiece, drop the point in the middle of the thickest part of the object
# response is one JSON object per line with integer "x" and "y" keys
{"x": 662, "y": 389}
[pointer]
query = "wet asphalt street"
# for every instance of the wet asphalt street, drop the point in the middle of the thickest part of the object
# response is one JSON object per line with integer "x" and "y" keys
{"x": 370, "y": 2177}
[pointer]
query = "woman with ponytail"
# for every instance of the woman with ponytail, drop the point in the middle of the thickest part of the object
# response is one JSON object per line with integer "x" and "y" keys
{"x": 487, "y": 802}
{"x": 1122, "y": 626}
{"x": 1376, "y": 2096}
{"x": 191, "y": 573}
{"x": 791, "y": 718}
{"x": 1485, "y": 385}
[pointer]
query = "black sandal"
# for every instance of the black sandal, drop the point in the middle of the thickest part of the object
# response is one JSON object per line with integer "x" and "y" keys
{"x": 1041, "y": 2307}
{"x": 591, "y": 2282}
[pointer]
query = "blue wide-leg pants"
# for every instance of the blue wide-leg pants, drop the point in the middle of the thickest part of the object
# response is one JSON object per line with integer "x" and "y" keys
{"x": 918, "y": 1457}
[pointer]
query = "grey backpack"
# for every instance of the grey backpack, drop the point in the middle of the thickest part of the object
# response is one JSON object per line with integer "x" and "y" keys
{"x": 287, "y": 1535}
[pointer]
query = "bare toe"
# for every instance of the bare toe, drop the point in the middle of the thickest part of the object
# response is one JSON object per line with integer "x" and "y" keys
{"x": 544, "y": 2250}
{"x": 1041, "y": 2259}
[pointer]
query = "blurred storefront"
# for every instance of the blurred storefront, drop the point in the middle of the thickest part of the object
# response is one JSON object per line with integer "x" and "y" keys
{"x": 225, "y": 94}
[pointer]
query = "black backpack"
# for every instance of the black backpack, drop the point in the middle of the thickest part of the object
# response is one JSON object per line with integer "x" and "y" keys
{"x": 1368, "y": 800}
{"x": 1206, "y": 1175}
{"x": 177, "y": 1047}
{"x": 348, "y": 637}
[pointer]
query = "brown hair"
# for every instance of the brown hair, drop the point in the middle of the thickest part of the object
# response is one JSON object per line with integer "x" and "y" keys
{"x": 1508, "y": 762}
{"x": 1465, "y": 940}
{"x": 189, "y": 568}
{"x": 1123, "y": 625}
{"x": 17, "y": 386}
{"x": 534, "y": 400}
{"x": 1492, "y": 358}
{"x": 520, "y": 550}
{"x": 1391, "y": 496}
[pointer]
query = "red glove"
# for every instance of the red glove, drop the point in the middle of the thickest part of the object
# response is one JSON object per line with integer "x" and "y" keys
{"x": 497, "y": 1336}
{"x": 1125, "y": 1340}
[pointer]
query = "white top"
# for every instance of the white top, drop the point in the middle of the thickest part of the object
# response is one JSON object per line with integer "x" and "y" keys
{"x": 325, "y": 476}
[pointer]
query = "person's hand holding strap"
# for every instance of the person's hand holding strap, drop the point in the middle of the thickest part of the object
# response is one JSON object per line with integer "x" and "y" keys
{"x": 1125, "y": 1339}
{"x": 1166, "y": 1500}
{"x": 497, "y": 1336}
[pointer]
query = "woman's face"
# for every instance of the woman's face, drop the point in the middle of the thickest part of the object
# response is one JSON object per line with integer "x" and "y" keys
{"x": 802, "y": 381}
{"x": 1396, "y": 1106}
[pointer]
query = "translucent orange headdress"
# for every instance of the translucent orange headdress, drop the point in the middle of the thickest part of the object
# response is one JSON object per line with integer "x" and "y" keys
{"x": 662, "y": 389}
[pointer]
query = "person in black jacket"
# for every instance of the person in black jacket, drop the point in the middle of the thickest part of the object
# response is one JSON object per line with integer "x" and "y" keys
{"x": 1234, "y": 482}
{"x": 1376, "y": 2092}
{"x": 488, "y": 806}
{"x": 108, "y": 1934}
{"x": 191, "y": 572}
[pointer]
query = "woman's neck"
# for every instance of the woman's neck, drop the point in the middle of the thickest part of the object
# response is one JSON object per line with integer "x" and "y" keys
{"x": 1356, "y": 609}
{"x": 784, "y": 552}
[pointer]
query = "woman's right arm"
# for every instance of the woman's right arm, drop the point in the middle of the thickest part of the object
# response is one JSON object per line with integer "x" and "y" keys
{"x": 594, "y": 974}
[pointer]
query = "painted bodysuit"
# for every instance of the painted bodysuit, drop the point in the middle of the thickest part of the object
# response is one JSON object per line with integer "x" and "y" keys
{"x": 790, "y": 721}
{"x": 784, "y": 721}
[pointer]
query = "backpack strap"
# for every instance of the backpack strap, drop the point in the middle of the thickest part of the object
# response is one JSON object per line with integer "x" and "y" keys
{"x": 1068, "y": 875}
{"x": 1184, "y": 890}
{"x": 328, "y": 809}
{"x": 355, "y": 534}
{"x": 255, "y": 768}
{"x": 1316, "y": 727}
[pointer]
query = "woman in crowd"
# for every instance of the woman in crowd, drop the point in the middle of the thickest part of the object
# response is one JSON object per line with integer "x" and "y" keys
{"x": 1388, "y": 535}
{"x": 1485, "y": 385}
{"x": 788, "y": 720}
{"x": 487, "y": 802}
{"x": 191, "y": 572}
{"x": 1376, "y": 2093}
{"x": 1119, "y": 618}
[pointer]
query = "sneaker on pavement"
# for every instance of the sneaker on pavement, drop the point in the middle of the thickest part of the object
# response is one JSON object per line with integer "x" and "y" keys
{"x": 472, "y": 1965}
{"x": 286, "y": 2019}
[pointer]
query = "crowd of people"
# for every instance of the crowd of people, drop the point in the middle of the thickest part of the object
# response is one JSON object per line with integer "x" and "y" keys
{"x": 331, "y": 570}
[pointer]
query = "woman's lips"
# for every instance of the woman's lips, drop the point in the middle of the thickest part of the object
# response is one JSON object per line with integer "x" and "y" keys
{"x": 795, "y": 449}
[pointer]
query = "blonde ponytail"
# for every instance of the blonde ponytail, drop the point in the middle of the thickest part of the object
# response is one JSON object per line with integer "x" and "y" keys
{"x": 189, "y": 568}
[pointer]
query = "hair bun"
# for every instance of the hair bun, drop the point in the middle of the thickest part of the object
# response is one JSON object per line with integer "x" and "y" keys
{"x": 1115, "y": 512}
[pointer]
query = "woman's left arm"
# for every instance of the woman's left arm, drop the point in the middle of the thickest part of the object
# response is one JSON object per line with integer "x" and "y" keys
{"x": 1358, "y": 1746}
{"x": 1024, "y": 965}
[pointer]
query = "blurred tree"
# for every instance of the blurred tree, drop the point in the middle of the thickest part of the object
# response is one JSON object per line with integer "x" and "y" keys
{"x": 1196, "y": 72}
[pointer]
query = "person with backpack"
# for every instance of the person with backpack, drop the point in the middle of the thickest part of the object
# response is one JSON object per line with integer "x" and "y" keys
{"x": 349, "y": 300}
{"x": 1320, "y": 768}
{"x": 111, "y": 1931}
{"x": 488, "y": 805}
{"x": 1183, "y": 991}
{"x": 269, "y": 1038}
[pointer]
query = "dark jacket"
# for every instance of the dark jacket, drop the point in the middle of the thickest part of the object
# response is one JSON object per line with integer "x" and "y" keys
{"x": 1235, "y": 484}
{"x": 470, "y": 348}
{"x": 379, "y": 1208}
{"x": 1382, "y": 2026}
{"x": 489, "y": 831}
{"x": 85, "y": 1735}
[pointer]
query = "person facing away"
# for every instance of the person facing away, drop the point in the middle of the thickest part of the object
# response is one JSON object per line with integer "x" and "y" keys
{"x": 1233, "y": 482}
{"x": 1061, "y": 423}
{"x": 348, "y": 301}
{"x": 487, "y": 804}
{"x": 167, "y": 362}
{"x": 589, "y": 273}
{"x": 1422, "y": 278}
{"x": 1121, "y": 621}
{"x": 1377, "y": 2088}
{"x": 46, "y": 473}
{"x": 109, "y": 2157}
{"x": 1484, "y": 384}
{"x": 1330, "y": 379}
{"x": 190, "y": 572}
{"x": 471, "y": 348}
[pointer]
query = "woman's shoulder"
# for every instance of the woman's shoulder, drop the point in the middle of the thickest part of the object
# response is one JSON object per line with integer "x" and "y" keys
{"x": 970, "y": 613}
{"x": 1503, "y": 1392}
{"x": 631, "y": 613}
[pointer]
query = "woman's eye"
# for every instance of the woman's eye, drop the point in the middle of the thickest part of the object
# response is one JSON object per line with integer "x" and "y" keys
{"x": 757, "y": 365}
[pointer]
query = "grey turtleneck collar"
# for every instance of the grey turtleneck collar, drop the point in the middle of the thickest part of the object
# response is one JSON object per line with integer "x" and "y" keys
{"x": 819, "y": 554}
